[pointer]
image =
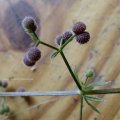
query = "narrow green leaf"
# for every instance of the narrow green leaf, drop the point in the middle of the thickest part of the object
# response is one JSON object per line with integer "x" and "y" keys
{"x": 93, "y": 98}
{"x": 92, "y": 107}
{"x": 54, "y": 54}
{"x": 76, "y": 73}
{"x": 88, "y": 88}
{"x": 69, "y": 40}
{"x": 76, "y": 76}
{"x": 100, "y": 83}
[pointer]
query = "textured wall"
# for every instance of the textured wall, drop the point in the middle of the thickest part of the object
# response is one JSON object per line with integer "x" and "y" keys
{"x": 102, "y": 54}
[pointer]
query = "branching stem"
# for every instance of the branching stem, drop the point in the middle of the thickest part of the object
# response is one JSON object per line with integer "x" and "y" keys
{"x": 62, "y": 54}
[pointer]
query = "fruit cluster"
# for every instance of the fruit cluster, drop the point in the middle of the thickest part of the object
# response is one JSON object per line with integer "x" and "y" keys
{"x": 34, "y": 54}
{"x": 79, "y": 31}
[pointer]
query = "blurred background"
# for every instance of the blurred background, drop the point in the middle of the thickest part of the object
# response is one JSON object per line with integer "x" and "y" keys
{"x": 102, "y": 54}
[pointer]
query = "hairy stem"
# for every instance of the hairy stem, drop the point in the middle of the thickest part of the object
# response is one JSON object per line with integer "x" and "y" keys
{"x": 40, "y": 93}
{"x": 103, "y": 91}
{"x": 41, "y": 42}
{"x": 63, "y": 56}
{"x": 70, "y": 70}
{"x": 69, "y": 40}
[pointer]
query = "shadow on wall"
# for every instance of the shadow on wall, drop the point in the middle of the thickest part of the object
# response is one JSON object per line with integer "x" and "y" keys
{"x": 52, "y": 12}
{"x": 11, "y": 24}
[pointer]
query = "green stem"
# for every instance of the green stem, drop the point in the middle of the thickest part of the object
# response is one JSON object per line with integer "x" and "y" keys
{"x": 81, "y": 108}
{"x": 69, "y": 40}
{"x": 34, "y": 35}
{"x": 70, "y": 70}
{"x": 41, "y": 42}
{"x": 103, "y": 91}
{"x": 86, "y": 80}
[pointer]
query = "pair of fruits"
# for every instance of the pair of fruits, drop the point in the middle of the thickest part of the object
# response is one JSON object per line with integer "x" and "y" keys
{"x": 78, "y": 29}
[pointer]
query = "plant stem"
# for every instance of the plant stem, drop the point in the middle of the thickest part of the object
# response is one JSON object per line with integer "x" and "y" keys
{"x": 60, "y": 93}
{"x": 81, "y": 108}
{"x": 40, "y": 93}
{"x": 86, "y": 80}
{"x": 70, "y": 70}
{"x": 92, "y": 92}
{"x": 41, "y": 42}
{"x": 103, "y": 91}
{"x": 62, "y": 54}
{"x": 69, "y": 40}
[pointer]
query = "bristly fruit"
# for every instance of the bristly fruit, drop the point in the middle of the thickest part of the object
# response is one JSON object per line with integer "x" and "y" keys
{"x": 29, "y": 24}
{"x": 27, "y": 61}
{"x": 67, "y": 35}
{"x": 58, "y": 39}
{"x": 63, "y": 37}
{"x": 78, "y": 28}
{"x": 83, "y": 38}
{"x": 34, "y": 54}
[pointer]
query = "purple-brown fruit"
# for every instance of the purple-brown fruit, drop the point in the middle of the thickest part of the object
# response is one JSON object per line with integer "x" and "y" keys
{"x": 58, "y": 39}
{"x": 83, "y": 38}
{"x": 78, "y": 28}
{"x": 67, "y": 35}
{"x": 64, "y": 37}
{"x": 34, "y": 54}
{"x": 29, "y": 24}
{"x": 27, "y": 61}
